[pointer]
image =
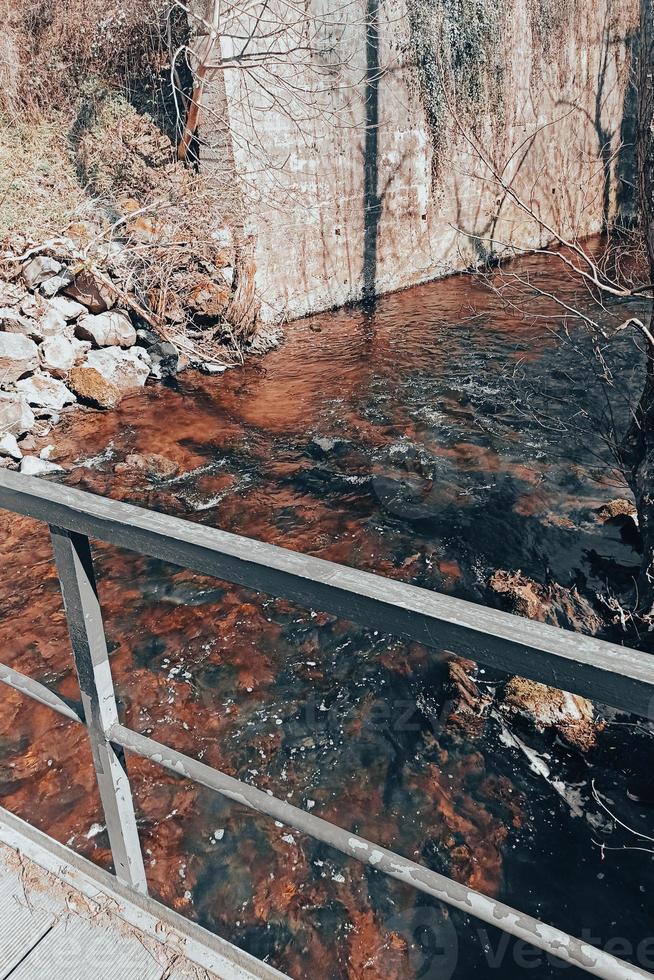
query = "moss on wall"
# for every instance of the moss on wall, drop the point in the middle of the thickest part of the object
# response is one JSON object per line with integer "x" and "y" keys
{"x": 549, "y": 20}
{"x": 457, "y": 49}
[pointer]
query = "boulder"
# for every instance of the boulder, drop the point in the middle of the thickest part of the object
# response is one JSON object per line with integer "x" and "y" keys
{"x": 94, "y": 389}
{"x": 12, "y": 321}
{"x": 16, "y": 417}
{"x": 11, "y": 294}
{"x": 33, "y": 305}
{"x": 9, "y": 446}
{"x": 18, "y": 356}
{"x": 165, "y": 359}
{"x": 152, "y": 464}
{"x": 33, "y": 466}
{"x": 111, "y": 329}
{"x": 58, "y": 355}
{"x": 87, "y": 288}
{"x": 546, "y": 708}
{"x": 44, "y": 392}
{"x": 124, "y": 368}
{"x": 53, "y": 324}
{"x": 39, "y": 269}
{"x": 68, "y": 309}
{"x": 54, "y": 285}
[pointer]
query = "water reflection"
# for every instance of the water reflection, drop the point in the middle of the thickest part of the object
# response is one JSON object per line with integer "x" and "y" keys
{"x": 409, "y": 442}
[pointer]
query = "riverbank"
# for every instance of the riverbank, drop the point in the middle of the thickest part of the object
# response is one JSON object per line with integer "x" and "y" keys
{"x": 76, "y": 328}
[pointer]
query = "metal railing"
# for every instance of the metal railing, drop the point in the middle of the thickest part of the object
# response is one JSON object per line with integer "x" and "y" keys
{"x": 605, "y": 672}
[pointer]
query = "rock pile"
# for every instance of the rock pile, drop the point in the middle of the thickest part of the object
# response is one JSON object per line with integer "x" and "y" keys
{"x": 64, "y": 338}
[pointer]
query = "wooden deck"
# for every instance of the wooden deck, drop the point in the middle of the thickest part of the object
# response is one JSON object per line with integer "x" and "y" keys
{"x": 61, "y": 917}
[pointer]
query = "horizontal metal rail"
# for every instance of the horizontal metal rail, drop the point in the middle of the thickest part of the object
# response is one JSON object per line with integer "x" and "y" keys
{"x": 606, "y": 672}
{"x": 536, "y": 933}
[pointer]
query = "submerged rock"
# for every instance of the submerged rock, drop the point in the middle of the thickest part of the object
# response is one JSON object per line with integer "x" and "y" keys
{"x": 545, "y": 603}
{"x": 547, "y": 709}
{"x": 323, "y": 447}
{"x": 153, "y": 464}
{"x": 211, "y": 367}
{"x": 91, "y": 387}
{"x": 467, "y": 707}
{"x": 18, "y": 356}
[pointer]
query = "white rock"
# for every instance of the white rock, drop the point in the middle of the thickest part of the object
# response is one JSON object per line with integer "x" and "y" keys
{"x": 33, "y": 466}
{"x": 210, "y": 367}
{"x": 47, "y": 451}
{"x": 54, "y": 284}
{"x": 124, "y": 368}
{"x": 53, "y": 324}
{"x": 11, "y": 294}
{"x": 69, "y": 309}
{"x": 33, "y": 305}
{"x": 40, "y": 268}
{"x": 111, "y": 329}
{"x": 18, "y": 356}
{"x": 42, "y": 391}
{"x": 16, "y": 417}
{"x": 12, "y": 321}
{"x": 9, "y": 446}
{"x": 82, "y": 347}
{"x": 58, "y": 355}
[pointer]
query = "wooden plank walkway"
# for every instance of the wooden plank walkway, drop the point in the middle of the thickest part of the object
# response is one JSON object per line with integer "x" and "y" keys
{"x": 60, "y": 916}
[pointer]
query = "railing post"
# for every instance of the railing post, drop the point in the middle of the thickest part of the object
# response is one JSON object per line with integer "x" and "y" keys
{"x": 75, "y": 569}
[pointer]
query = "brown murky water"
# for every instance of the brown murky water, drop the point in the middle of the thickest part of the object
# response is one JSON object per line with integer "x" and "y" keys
{"x": 433, "y": 441}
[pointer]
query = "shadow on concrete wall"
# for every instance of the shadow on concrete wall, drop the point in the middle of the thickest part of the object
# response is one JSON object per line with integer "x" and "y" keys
{"x": 626, "y": 169}
{"x": 372, "y": 202}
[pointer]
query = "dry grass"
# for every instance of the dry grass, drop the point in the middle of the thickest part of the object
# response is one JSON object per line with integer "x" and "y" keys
{"x": 51, "y": 48}
{"x": 39, "y": 191}
{"x": 87, "y": 142}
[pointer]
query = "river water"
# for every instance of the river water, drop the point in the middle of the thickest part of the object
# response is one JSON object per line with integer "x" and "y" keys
{"x": 434, "y": 440}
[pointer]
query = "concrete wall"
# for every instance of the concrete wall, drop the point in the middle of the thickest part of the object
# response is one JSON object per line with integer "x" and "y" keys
{"x": 357, "y": 180}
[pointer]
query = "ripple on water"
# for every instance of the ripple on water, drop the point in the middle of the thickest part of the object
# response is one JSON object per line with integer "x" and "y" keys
{"x": 425, "y": 442}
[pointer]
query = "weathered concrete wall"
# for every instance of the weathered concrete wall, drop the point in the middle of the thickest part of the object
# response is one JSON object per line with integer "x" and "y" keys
{"x": 358, "y": 180}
